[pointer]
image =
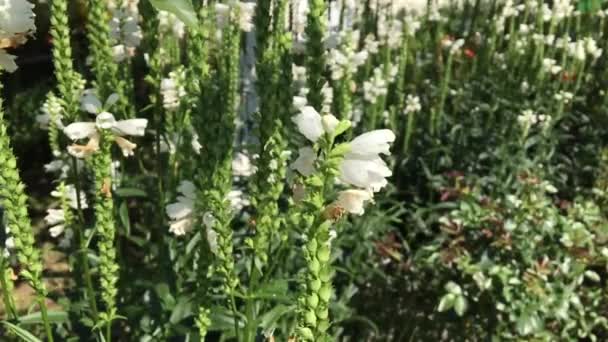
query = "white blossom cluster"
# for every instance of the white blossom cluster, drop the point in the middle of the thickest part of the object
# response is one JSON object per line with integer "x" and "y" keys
{"x": 361, "y": 167}
{"x": 173, "y": 89}
{"x": 125, "y": 30}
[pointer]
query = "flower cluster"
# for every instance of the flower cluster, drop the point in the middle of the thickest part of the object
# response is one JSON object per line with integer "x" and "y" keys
{"x": 104, "y": 121}
{"x": 361, "y": 165}
{"x": 241, "y": 12}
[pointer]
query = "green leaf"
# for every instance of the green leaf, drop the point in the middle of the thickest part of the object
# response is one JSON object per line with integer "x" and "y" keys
{"x": 460, "y": 305}
{"x": 269, "y": 319}
{"x": 164, "y": 293}
{"x": 123, "y": 213}
{"x": 183, "y": 9}
{"x": 276, "y": 289}
{"x": 222, "y": 319}
{"x": 446, "y": 302}
{"x": 182, "y": 310}
{"x": 22, "y": 333}
{"x": 36, "y": 318}
{"x": 130, "y": 192}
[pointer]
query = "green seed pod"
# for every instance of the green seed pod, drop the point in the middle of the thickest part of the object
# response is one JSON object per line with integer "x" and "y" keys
{"x": 306, "y": 334}
{"x": 314, "y": 266}
{"x": 325, "y": 293}
{"x": 325, "y": 274}
{"x": 310, "y": 318}
{"x": 315, "y": 284}
{"x": 322, "y": 313}
{"x": 312, "y": 246}
{"x": 313, "y": 300}
{"x": 323, "y": 254}
{"x": 323, "y": 326}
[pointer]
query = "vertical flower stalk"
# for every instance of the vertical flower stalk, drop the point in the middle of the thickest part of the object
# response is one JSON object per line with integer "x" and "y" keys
{"x": 106, "y": 70}
{"x": 14, "y": 201}
{"x": 437, "y": 113}
{"x": 315, "y": 48}
{"x": 69, "y": 83}
{"x": 271, "y": 162}
{"x": 356, "y": 163}
{"x": 221, "y": 152}
{"x": 53, "y": 107}
{"x": 198, "y": 76}
{"x": 106, "y": 230}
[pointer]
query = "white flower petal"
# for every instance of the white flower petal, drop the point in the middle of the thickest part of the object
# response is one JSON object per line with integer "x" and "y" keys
{"x": 105, "y": 120}
{"x": 309, "y": 123}
{"x": 90, "y": 102}
{"x": 54, "y": 217}
{"x": 132, "y": 127}
{"x": 181, "y": 227}
{"x": 372, "y": 143}
{"x": 330, "y": 123}
{"x": 366, "y": 174}
{"x": 80, "y": 130}
{"x": 178, "y": 211}
{"x": 56, "y": 230}
{"x": 188, "y": 189}
{"x": 353, "y": 201}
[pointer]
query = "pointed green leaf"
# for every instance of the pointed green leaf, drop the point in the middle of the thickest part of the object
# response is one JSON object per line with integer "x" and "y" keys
{"x": 36, "y": 318}
{"x": 183, "y": 9}
{"x": 22, "y": 333}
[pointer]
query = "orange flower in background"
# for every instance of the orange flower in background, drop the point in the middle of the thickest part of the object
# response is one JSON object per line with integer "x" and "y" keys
{"x": 470, "y": 53}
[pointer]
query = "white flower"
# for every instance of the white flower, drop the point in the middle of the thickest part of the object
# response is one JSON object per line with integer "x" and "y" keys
{"x": 104, "y": 121}
{"x": 180, "y": 212}
{"x": 372, "y": 143}
{"x": 72, "y": 197}
{"x": 299, "y": 102}
{"x": 196, "y": 145}
{"x": 362, "y": 166}
{"x": 55, "y": 218}
{"x": 237, "y": 200}
{"x": 243, "y": 11}
{"x": 353, "y": 201}
{"x": 16, "y": 17}
{"x": 9, "y": 244}
{"x": 365, "y": 173}
{"x": 170, "y": 22}
{"x": 50, "y": 108}
{"x": 242, "y": 166}
{"x": 125, "y": 31}
{"x": 412, "y": 104}
{"x": 172, "y": 89}
{"x": 309, "y": 123}
{"x": 376, "y": 87}
{"x": 305, "y": 164}
{"x": 330, "y": 123}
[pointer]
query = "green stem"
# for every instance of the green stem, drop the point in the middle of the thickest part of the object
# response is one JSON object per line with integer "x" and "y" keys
{"x": 83, "y": 248}
{"x": 9, "y": 303}
{"x": 45, "y": 317}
